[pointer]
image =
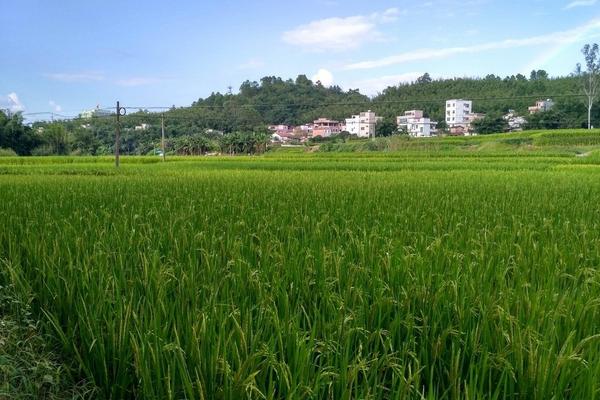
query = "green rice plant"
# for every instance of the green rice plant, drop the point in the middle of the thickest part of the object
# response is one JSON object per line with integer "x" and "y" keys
{"x": 308, "y": 276}
{"x": 29, "y": 369}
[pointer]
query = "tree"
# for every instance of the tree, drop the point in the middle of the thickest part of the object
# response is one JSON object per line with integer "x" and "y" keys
{"x": 540, "y": 74}
{"x": 490, "y": 124}
{"x": 442, "y": 126}
{"x": 387, "y": 127}
{"x": 552, "y": 119}
{"x": 590, "y": 77}
{"x": 57, "y": 139}
{"x": 84, "y": 142}
{"x": 425, "y": 78}
{"x": 15, "y": 135}
{"x": 492, "y": 77}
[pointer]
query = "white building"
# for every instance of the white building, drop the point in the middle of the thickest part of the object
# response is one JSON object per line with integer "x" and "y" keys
{"x": 142, "y": 127}
{"x": 457, "y": 111}
{"x": 515, "y": 122}
{"x": 460, "y": 115}
{"x": 415, "y": 124}
{"x": 363, "y": 125}
{"x": 541, "y": 106}
{"x": 97, "y": 112}
{"x": 281, "y": 137}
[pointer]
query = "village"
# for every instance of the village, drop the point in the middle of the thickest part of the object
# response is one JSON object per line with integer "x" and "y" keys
{"x": 415, "y": 123}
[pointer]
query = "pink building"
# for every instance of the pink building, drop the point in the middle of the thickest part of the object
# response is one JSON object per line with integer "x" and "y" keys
{"x": 326, "y": 127}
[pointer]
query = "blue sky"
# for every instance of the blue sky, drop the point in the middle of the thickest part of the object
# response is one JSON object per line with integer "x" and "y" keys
{"x": 69, "y": 55}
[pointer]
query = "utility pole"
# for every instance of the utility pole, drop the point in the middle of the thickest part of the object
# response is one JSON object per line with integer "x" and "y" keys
{"x": 118, "y": 132}
{"x": 162, "y": 141}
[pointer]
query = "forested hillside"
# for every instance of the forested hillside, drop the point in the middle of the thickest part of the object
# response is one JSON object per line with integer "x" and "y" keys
{"x": 273, "y": 100}
{"x": 277, "y": 101}
{"x": 493, "y": 95}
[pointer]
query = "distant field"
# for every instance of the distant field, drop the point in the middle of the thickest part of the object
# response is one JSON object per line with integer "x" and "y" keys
{"x": 467, "y": 272}
{"x": 528, "y": 141}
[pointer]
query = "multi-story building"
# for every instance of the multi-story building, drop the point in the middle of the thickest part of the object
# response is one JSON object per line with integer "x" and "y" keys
{"x": 96, "y": 112}
{"x": 541, "y": 106}
{"x": 416, "y": 124}
{"x": 460, "y": 116}
{"x": 363, "y": 124}
{"x": 457, "y": 111}
{"x": 326, "y": 127}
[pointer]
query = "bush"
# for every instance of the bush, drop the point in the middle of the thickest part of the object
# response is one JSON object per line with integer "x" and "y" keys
{"x": 7, "y": 152}
{"x": 44, "y": 150}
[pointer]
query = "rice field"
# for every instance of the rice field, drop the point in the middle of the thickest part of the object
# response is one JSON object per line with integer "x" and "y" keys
{"x": 346, "y": 276}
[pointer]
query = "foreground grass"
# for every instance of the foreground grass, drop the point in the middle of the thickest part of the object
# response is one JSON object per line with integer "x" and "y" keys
{"x": 315, "y": 277}
{"x": 29, "y": 369}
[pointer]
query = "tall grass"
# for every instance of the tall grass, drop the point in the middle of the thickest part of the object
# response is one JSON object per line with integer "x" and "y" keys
{"x": 185, "y": 281}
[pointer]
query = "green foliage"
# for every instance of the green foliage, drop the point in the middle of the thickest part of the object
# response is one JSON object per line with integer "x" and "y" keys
{"x": 55, "y": 139}
{"x": 534, "y": 142}
{"x": 490, "y": 124}
{"x": 28, "y": 367}
{"x": 244, "y": 143}
{"x": 540, "y": 74}
{"x": 85, "y": 142}
{"x": 16, "y": 136}
{"x": 193, "y": 145}
{"x": 387, "y": 127}
{"x": 7, "y": 152}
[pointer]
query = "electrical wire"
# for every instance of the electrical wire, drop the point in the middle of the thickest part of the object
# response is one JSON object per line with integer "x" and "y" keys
{"x": 233, "y": 107}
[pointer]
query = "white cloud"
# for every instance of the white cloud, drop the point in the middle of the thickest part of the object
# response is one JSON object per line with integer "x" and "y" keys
{"x": 389, "y": 15}
{"x": 564, "y": 37}
{"x": 137, "y": 81}
{"x": 88, "y": 76}
{"x": 580, "y": 3}
{"x": 339, "y": 34}
{"x": 372, "y": 86}
{"x": 55, "y": 107}
{"x": 324, "y": 76}
{"x": 11, "y": 102}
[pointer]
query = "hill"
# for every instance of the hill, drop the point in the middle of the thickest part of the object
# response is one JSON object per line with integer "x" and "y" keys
{"x": 273, "y": 100}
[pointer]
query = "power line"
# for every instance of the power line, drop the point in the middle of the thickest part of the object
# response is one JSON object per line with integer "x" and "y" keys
{"x": 233, "y": 105}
